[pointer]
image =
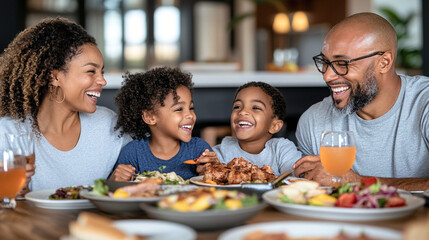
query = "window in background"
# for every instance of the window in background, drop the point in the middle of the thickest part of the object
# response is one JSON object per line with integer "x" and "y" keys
{"x": 40, "y": 9}
{"x": 135, "y": 34}
{"x": 112, "y": 35}
{"x": 167, "y": 33}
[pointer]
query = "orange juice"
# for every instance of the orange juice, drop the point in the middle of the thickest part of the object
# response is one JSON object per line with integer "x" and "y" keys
{"x": 11, "y": 182}
{"x": 337, "y": 160}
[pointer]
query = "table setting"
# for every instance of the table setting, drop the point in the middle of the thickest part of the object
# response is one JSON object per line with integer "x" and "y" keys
{"x": 198, "y": 210}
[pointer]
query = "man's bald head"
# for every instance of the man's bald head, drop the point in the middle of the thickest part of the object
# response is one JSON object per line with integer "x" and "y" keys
{"x": 369, "y": 26}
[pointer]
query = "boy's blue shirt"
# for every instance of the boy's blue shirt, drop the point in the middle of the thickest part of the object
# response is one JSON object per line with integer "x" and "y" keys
{"x": 138, "y": 154}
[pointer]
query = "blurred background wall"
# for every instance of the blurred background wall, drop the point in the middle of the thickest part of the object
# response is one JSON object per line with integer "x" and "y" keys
{"x": 139, "y": 34}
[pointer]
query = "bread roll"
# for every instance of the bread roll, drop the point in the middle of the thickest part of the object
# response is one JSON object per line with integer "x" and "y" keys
{"x": 90, "y": 226}
{"x": 417, "y": 230}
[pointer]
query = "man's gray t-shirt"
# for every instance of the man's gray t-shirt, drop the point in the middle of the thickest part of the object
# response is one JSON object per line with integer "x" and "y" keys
{"x": 92, "y": 158}
{"x": 395, "y": 145}
{"x": 279, "y": 153}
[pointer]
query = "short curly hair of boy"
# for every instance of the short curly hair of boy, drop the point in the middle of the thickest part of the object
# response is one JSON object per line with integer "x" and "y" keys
{"x": 278, "y": 103}
{"x": 27, "y": 63}
{"x": 145, "y": 91}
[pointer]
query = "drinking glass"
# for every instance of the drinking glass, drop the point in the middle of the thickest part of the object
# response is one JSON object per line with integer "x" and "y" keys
{"x": 12, "y": 172}
{"x": 22, "y": 144}
{"x": 337, "y": 153}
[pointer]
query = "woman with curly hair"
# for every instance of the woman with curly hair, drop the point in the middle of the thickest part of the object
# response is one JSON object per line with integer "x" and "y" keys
{"x": 156, "y": 109}
{"x": 51, "y": 75}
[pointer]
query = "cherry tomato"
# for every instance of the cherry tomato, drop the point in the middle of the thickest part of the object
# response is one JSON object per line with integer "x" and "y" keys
{"x": 395, "y": 202}
{"x": 346, "y": 200}
{"x": 368, "y": 181}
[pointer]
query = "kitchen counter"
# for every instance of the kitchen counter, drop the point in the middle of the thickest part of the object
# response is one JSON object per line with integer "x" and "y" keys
{"x": 236, "y": 79}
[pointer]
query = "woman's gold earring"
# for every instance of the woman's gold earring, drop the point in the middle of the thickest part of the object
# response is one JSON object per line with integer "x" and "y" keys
{"x": 53, "y": 93}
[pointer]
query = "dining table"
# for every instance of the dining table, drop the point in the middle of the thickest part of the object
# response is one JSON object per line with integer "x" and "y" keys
{"x": 27, "y": 221}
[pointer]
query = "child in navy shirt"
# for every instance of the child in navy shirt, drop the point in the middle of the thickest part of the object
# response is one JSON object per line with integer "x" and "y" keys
{"x": 156, "y": 109}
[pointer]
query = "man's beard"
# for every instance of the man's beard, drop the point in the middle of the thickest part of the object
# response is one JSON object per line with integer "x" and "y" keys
{"x": 362, "y": 95}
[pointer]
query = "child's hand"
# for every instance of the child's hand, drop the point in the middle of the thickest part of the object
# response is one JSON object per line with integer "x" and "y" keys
{"x": 206, "y": 157}
{"x": 123, "y": 173}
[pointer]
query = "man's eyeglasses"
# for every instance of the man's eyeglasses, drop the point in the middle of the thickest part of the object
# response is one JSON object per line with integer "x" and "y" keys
{"x": 340, "y": 67}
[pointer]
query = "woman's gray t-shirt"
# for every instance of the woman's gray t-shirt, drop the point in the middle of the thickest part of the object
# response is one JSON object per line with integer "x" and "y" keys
{"x": 92, "y": 158}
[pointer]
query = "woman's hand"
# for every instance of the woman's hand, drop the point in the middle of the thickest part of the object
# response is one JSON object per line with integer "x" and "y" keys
{"x": 123, "y": 173}
{"x": 29, "y": 172}
{"x": 206, "y": 157}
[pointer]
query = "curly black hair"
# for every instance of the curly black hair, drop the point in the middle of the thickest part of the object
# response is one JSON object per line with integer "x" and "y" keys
{"x": 278, "y": 103}
{"x": 143, "y": 91}
{"x": 27, "y": 63}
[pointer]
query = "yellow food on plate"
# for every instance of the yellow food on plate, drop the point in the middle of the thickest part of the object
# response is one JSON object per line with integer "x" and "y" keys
{"x": 323, "y": 200}
{"x": 301, "y": 191}
{"x": 119, "y": 193}
{"x": 203, "y": 199}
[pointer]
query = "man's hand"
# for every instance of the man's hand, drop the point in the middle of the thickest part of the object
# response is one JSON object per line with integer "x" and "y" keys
{"x": 206, "y": 157}
{"x": 123, "y": 173}
{"x": 311, "y": 168}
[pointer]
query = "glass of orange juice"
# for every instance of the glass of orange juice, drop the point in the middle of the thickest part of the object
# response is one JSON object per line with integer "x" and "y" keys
{"x": 337, "y": 153}
{"x": 12, "y": 173}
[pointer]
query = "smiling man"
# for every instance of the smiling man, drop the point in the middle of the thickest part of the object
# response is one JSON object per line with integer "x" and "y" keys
{"x": 387, "y": 112}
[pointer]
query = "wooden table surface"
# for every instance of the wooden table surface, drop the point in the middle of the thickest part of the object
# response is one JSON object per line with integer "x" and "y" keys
{"x": 29, "y": 222}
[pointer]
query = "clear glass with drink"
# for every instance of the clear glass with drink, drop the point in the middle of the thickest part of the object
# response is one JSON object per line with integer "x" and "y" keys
{"x": 337, "y": 153}
{"x": 12, "y": 173}
{"x": 22, "y": 145}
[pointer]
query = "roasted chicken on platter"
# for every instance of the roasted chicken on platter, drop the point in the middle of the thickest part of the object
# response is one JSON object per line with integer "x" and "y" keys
{"x": 237, "y": 171}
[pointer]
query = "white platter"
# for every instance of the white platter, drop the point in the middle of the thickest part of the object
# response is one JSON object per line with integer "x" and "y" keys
{"x": 117, "y": 205}
{"x": 41, "y": 199}
{"x": 205, "y": 220}
{"x": 351, "y": 214}
{"x": 296, "y": 229}
{"x": 156, "y": 230}
{"x": 197, "y": 181}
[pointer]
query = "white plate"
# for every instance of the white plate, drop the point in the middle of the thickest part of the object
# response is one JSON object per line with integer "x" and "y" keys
{"x": 156, "y": 230}
{"x": 41, "y": 199}
{"x": 311, "y": 230}
{"x": 337, "y": 213}
{"x": 205, "y": 220}
{"x": 197, "y": 180}
{"x": 117, "y": 205}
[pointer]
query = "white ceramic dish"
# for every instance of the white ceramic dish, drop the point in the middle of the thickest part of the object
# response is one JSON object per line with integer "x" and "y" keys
{"x": 311, "y": 230}
{"x": 156, "y": 230}
{"x": 197, "y": 181}
{"x": 351, "y": 214}
{"x": 122, "y": 205}
{"x": 205, "y": 220}
{"x": 41, "y": 199}
{"x": 116, "y": 205}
